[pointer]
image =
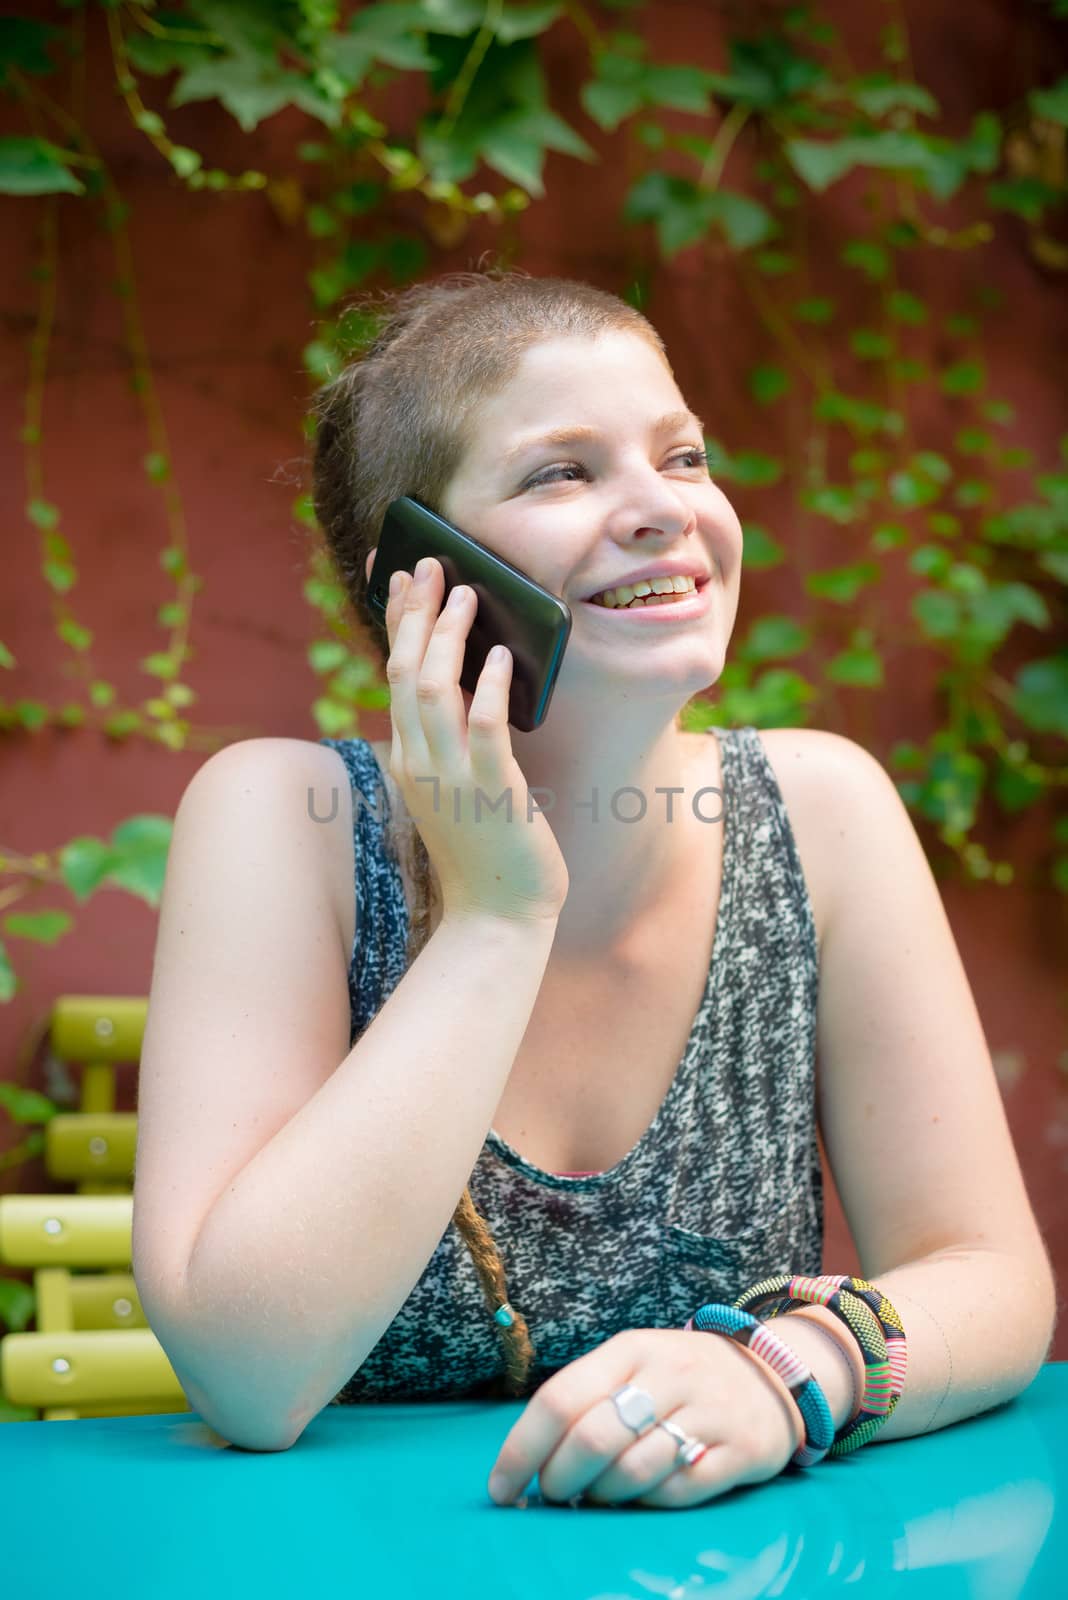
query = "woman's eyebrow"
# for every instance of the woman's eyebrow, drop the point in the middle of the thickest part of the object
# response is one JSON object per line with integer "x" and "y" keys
{"x": 669, "y": 422}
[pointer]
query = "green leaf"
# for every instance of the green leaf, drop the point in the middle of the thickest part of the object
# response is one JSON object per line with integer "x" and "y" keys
{"x": 907, "y": 756}
{"x": 905, "y": 307}
{"x": 747, "y": 467}
{"x": 775, "y": 263}
{"x": 142, "y": 843}
{"x": 515, "y": 145}
{"x": 680, "y": 87}
{"x": 768, "y": 384}
{"x": 971, "y": 493}
{"x": 744, "y": 221}
{"x": 253, "y": 88}
{"x": 964, "y": 578}
{"x": 1041, "y": 694}
{"x": 941, "y": 163}
{"x": 965, "y": 377}
{"x": 608, "y": 104}
{"x": 26, "y": 1106}
{"x": 1052, "y": 103}
{"x": 1027, "y": 197}
{"x": 1055, "y": 562}
{"x": 870, "y": 344}
{"x": 85, "y": 864}
{"x": 842, "y": 584}
{"x": 326, "y": 654}
{"x": 765, "y": 73}
{"x": 159, "y": 665}
{"x": 772, "y": 638}
{"x": 43, "y": 927}
{"x": 930, "y": 561}
{"x": 972, "y": 441}
{"x": 379, "y": 33}
{"x": 24, "y": 44}
{"x": 934, "y": 465}
{"x": 871, "y": 258}
{"x": 74, "y": 634}
{"x": 322, "y": 361}
{"x": 881, "y": 92}
{"x": 817, "y": 310}
{"x": 43, "y": 514}
{"x": 33, "y": 166}
{"x": 523, "y": 22}
{"x": 1013, "y": 789}
{"x": 1021, "y": 603}
{"x": 937, "y": 613}
{"x": 759, "y": 549}
{"x": 866, "y": 416}
{"x": 820, "y": 163}
{"x": 17, "y": 1303}
{"x": 858, "y": 668}
{"x": 9, "y": 983}
{"x": 889, "y": 536}
{"x": 777, "y": 699}
{"x": 910, "y": 489}
{"x": 156, "y": 56}
{"x": 683, "y": 212}
{"x": 834, "y": 500}
{"x": 999, "y": 411}
{"x": 505, "y": 119}
{"x": 754, "y": 470}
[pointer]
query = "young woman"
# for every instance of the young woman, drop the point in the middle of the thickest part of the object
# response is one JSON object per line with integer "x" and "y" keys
{"x": 493, "y": 1099}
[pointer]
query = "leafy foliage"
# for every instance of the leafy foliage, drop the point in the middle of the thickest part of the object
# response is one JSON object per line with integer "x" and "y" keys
{"x": 909, "y": 469}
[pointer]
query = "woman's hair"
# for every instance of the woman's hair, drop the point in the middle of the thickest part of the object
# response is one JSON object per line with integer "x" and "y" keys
{"x": 397, "y": 420}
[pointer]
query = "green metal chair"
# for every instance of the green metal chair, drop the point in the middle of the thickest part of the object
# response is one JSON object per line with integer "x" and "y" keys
{"x": 93, "y": 1353}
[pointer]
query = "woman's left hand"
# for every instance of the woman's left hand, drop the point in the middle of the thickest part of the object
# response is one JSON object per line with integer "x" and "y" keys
{"x": 571, "y": 1434}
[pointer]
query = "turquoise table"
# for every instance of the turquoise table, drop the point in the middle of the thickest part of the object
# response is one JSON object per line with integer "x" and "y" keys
{"x": 391, "y": 1501}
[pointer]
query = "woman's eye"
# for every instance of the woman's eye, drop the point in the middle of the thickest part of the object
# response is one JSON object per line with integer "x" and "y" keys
{"x": 692, "y": 457}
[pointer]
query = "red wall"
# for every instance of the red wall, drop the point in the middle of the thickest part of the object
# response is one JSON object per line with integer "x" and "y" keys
{"x": 221, "y": 289}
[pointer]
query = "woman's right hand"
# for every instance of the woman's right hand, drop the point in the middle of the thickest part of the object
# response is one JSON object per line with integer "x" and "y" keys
{"x": 486, "y": 863}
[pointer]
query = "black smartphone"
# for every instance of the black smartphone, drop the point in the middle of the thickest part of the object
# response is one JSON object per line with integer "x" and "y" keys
{"x": 511, "y": 608}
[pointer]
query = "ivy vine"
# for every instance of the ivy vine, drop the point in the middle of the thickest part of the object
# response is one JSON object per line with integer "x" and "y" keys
{"x": 731, "y": 161}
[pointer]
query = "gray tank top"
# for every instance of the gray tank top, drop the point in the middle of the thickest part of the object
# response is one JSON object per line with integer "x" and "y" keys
{"x": 724, "y": 1187}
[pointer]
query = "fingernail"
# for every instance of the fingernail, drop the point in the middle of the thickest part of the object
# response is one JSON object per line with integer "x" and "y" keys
{"x": 498, "y": 1488}
{"x": 423, "y": 570}
{"x": 394, "y": 584}
{"x": 457, "y": 597}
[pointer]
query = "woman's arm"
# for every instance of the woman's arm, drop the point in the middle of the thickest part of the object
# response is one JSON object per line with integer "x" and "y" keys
{"x": 979, "y": 1326}
{"x": 310, "y": 1253}
{"x": 910, "y": 1110}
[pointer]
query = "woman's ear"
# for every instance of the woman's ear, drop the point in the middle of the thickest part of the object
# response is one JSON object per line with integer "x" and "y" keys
{"x": 370, "y": 563}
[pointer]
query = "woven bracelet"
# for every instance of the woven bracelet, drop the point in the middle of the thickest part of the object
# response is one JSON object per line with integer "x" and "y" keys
{"x": 786, "y": 1363}
{"x": 874, "y": 1323}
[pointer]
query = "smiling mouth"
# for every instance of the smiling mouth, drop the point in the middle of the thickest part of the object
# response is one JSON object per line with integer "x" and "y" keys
{"x": 648, "y": 602}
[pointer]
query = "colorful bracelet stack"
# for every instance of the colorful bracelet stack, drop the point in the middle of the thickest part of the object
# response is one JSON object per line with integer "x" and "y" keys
{"x": 875, "y": 1325}
{"x": 785, "y": 1364}
{"x": 868, "y": 1316}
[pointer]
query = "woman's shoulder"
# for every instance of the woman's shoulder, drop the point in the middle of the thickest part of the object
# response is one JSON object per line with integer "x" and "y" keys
{"x": 812, "y": 767}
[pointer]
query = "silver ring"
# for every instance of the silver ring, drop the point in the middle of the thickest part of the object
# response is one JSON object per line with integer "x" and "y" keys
{"x": 687, "y": 1449}
{"x": 634, "y": 1408}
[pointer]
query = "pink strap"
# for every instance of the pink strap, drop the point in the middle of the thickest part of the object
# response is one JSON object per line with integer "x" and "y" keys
{"x": 797, "y": 1421}
{"x": 820, "y": 1317}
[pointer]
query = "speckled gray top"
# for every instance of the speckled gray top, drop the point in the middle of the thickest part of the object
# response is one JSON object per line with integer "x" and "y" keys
{"x": 723, "y": 1188}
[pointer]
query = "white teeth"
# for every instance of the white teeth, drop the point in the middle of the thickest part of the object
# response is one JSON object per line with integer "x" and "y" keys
{"x": 628, "y": 592}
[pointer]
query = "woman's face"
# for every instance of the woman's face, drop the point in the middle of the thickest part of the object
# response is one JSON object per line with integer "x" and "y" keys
{"x": 582, "y": 514}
